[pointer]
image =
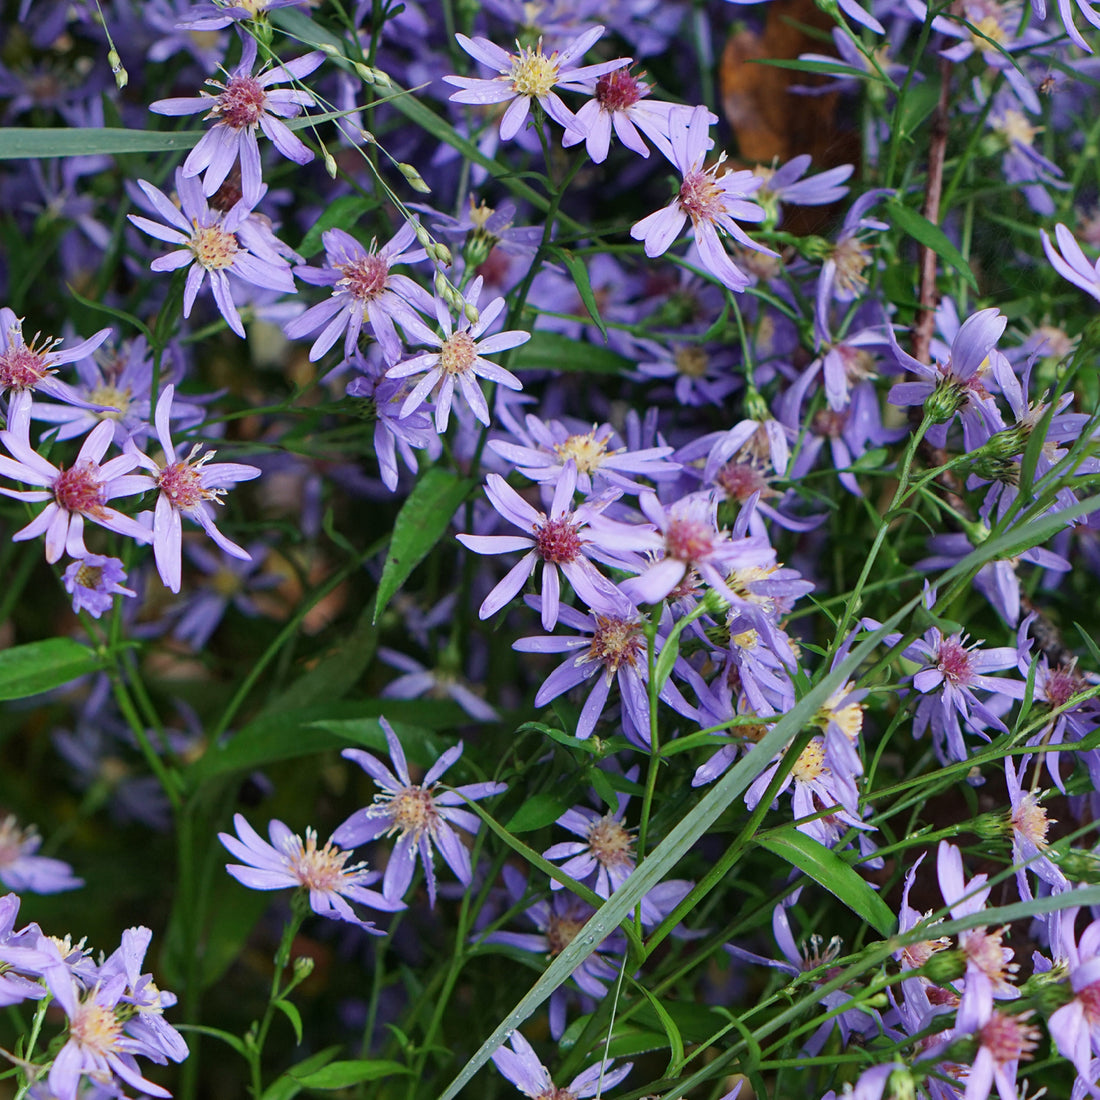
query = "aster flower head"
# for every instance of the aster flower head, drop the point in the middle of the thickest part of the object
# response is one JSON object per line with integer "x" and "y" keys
{"x": 93, "y": 582}
{"x": 243, "y": 104}
{"x": 214, "y": 245}
{"x": 565, "y": 539}
{"x": 605, "y": 853}
{"x": 32, "y": 367}
{"x": 421, "y": 817}
{"x": 459, "y": 360}
{"x": 520, "y": 1065}
{"x": 710, "y": 200}
{"x": 529, "y": 74}
{"x": 289, "y": 862}
{"x": 75, "y": 494}
{"x": 187, "y": 487}
{"x": 363, "y": 290}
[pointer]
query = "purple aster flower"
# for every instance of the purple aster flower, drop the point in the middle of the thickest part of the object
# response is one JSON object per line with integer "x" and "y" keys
{"x": 528, "y": 74}
{"x": 363, "y": 289}
{"x": 421, "y": 817}
{"x": 76, "y": 493}
{"x": 563, "y": 540}
{"x": 214, "y": 244}
{"x": 1003, "y": 1040}
{"x": 21, "y": 870}
{"x": 710, "y": 200}
{"x": 619, "y": 102}
{"x": 26, "y": 367}
{"x": 243, "y": 104}
{"x": 93, "y": 582}
{"x": 1070, "y": 261}
{"x": 289, "y": 862}
{"x": 1075, "y": 1027}
{"x": 605, "y": 853}
{"x": 187, "y": 486}
{"x": 785, "y": 184}
{"x": 548, "y": 446}
{"x": 702, "y": 374}
{"x": 459, "y": 360}
{"x": 610, "y": 647}
{"x": 419, "y": 680}
{"x": 1029, "y": 823}
{"x": 22, "y": 960}
{"x": 522, "y": 1067}
{"x": 957, "y": 383}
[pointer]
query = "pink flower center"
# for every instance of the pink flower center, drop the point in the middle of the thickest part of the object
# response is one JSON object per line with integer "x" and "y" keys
{"x": 553, "y": 1092}
{"x": 1090, "y": 1000}
{"x": 953, "y": 660}
{"x": 318, "y": 868}
{"x": 828, "y": 423}
{"x": 619, "y": 90}
{"x": 616, "y": 642}
{"x": 851, "y": 258}
{"x": 1008, "y": 1038}
{"x": 213, "y": 247}
{"x": 458, "y": 353}
{"x": 688, "y": 539}
{"x": 700, "y": 197}
{"x": 22, "y": 367}
{"x": 242, "y": 102}
{"x": 366, "y": 277}
{"x": 739, "y": 480}
{"x": 79, "y": 489}
{"x": 558, "y": 541}
{"x": 984, "y": 950}
{"x": 413, "y": 811}
{"x": 1062, "y": 684}
{"x": 96, "y": 1028}
{"x": 610, "y": 843}
{"x": 1030, "y": 820}
{"x": 181, "y": 483}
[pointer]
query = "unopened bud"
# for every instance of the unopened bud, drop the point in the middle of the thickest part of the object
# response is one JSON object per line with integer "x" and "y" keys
{"x": 122, "y": 77}
{"x": 303, "y": 967}
{"x": 381, "y": 78}
{"x": 368, "y": 137}
{"x": 944, "y": 401}
{"x": 442, "y": 286}
{"x": 416, "y": 181}
{"x": 330, "y": 164}
{"x": 366, "y": 73}
{"x": 473, "y": 314}
{"x": 423, "y": 237}
{"x": 329, "y": 48}
{"x": 441, "y": 254}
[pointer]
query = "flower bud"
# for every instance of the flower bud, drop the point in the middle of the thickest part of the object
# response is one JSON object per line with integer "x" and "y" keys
{"x": 472, "y": 312}
{"x": 122, "y": 77}
{"x": 944, "y": 401}
{"x": 945, "y": 966}
{"x": 303, "y": 967}
{"x": 364, "y": 72}
{"x": 415, "y": 180}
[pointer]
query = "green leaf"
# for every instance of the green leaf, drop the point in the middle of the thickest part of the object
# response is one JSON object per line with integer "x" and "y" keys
{"x": 291, "y": 1012}
{"x": 340, "y": 1075}
{"x": 537, "y": 811}
{"x": 420, "y": 525}
{"x": 341, "y": 213}
{"x": 421, "y": 746}
{"x": 553, "y": 351}
{"x": 675, "y": 1040}
{"x": 931, "y": 236}
{"x": 40, "y": 666}
{"x": 215, "y": 1032}
{"x": 286, "y": 1087}
{"x": 827, "y": 868}
{"x": 292, "y": 733}
{"x": 829, "y": 68}
{"x": 579, "y": 272}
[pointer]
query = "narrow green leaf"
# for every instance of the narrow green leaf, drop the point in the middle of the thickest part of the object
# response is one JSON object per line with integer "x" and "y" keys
{"x": 41, "y": 666}
{"x": 675, "y": 1040}
{"x": 553, "y": 351}
{"x": 537, "y": 811}
{"x": 828, "y": 68}
{"x": 341, "y": 213}
{"x": 420, "y": 525}
{"x": 340, "y": 1075}
{"x": 290, "y": 1011}
{"x": 931, "y": 236}
{"x": 579, "y": 272}
{"x": 286, "y": 1087}
{"x": 216, "y": 1032}
{"x": 827, "y": 868}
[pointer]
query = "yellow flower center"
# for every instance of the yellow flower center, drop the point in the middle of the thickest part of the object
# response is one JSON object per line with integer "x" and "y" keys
{"x": 532, "y": 72}
{"x": 213, "y": 247}
{"x": 458, "y": 353}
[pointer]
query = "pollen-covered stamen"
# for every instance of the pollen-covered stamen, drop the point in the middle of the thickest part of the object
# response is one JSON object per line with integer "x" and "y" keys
{"x": 96, "y": 1028}
{"x": 318, "y": 868}
{"x": 117, "y": 399}
{"x": 365, "y": 278}
{"x": 828, "y": 423}
{"x": 953, "y": 660}
{"x": 561, "y": 931}
{"x": 1030, "y": 820}
{"x": 88, "y": 576}
{"x": 1063, "y": 683}
{"x": 213, "y": 247}
{"x": 984, "y": 950}
{"x": 619, "y": 90}
{"x": 810, "y": 764}
{"x": 848, "y": 718}
{"x": 917, "y": 954}
{"x": 79, "y": 489}
{"x": 533, "y": 73}
{"x": 555, "y": 1093}
{"x": 741, "y": 581}
{"x": 1089, "y": 997}
{"x": 616, "y": 642}
{"x": 814, "y": 955}
{"x": 558, "y": 541}
{"x": 851, "y": 257}
{"x": 181, "y": 481}
{"x": 739, "y": 480}
{"x": 700, "y": 197}
{"x": 689, "y": 539}
{"x": 458, "y": 353}
{"x": 611, "y": 843}
{"x": 22, "y": 367}
{"x": 692, "y": 361}
{"x": 1009, "y": 1038}
{"x": 242, "y": 102}
{"x": 412, "y": 810}
{"x": 585, "y": 450}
